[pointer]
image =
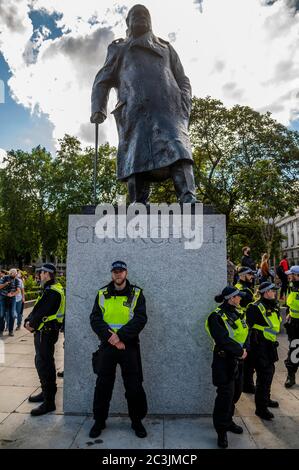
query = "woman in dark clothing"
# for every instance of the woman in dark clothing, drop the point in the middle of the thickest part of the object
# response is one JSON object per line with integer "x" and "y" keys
{"x": 228, "y": 329}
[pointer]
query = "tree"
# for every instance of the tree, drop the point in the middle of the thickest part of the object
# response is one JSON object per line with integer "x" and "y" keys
{"x": 246, "y": 163}
{"x": 26, "y": 222}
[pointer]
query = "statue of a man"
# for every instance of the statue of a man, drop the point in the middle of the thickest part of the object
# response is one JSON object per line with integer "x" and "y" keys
{"x": 152, "y": 112}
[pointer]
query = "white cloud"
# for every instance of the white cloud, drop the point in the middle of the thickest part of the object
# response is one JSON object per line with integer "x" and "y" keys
{"x": 2, "y": 156}
{"x": 240, "y": 52}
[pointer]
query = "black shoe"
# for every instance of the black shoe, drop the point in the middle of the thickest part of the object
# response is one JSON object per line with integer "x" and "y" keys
{"x": 235, "y": 428}
{"x": 273, "y": 404}
{"x": 249, "y": 388}
{"x": 96, "y": 429}
{"x": 290, "y": 381}
{"x": 11, "y": 333}
{"x": 43, "y": 409}
{"x": 37, "y": 398}
{"x": 60, "y": 374}
{"x": 264, "y": 414}
{"x": 222, "y": 440}
{"x": 139, "y": 429}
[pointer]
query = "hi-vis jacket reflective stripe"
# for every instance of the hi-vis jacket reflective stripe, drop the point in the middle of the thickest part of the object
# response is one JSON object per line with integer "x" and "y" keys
{"x": 241, "y": 287}
{"x": 118, "y": 310}
{"x": 59, "y": 315}
{"x": 273, "y": 321}
{"x": 293, "y": 303}
{"x": 237, "y": 330}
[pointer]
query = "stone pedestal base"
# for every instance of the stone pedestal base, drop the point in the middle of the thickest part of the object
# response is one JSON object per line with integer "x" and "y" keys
{"x": 179, "y": 286}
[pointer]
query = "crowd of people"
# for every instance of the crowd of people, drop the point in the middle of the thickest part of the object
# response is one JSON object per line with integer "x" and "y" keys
{"x": 262, "y": 271}
{"x": 12, "y": 299}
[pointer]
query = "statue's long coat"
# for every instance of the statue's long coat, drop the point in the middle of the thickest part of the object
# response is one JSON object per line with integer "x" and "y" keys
{"x": 154, "y": 103}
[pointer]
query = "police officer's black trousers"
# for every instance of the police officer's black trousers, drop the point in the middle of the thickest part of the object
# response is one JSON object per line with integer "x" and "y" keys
{"x": 248, "y": 371}
{"x": 264, "y": 376}
{"x": 130, "y": 363}
{"x": 229, "y": 381}
{"x": 44, "y": 342}
{"x": 291, "y": 361}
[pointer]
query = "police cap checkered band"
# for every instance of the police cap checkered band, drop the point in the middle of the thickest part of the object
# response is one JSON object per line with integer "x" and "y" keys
{"x": 118, "y": 265}
{"x": 234, "y": 293}
{"x": 48, "y": 268}
{"x": 265, "y": 286}
{"x": 245, "y": 270}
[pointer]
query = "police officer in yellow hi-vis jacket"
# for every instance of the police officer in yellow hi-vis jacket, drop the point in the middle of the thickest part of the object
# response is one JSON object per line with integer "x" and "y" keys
{"x": 263, "y": 318}
{"x": 245, "y": 284}
{"x": 292, "y": 327}
{"x": 118, "y": 316}
{"x": 228, "y": 329}
{"x": 45, "y": 321}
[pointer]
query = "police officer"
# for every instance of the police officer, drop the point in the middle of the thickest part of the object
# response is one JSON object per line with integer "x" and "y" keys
{"x": 228, "y": 329}
{"x": 118, "y": 316}
{"x": 245, "y": 284}
{"x": 45, "y": 322}
{"x": 264, "y": 320}
{"x": 292, "y": 327}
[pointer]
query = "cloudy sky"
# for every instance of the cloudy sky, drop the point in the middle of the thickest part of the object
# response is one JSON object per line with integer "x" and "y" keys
{"x": 239, "y": 51}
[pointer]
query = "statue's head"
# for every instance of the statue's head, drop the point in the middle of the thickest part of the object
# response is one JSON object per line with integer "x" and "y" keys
{"x": 138, "y": 21}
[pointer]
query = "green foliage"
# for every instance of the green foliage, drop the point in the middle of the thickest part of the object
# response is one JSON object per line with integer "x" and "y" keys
{"x": 30, "y": 284}
{"x": 245, "y": 164}
{"x": 61, "y": 280}
{"x": 38, "y": 192}
{"x": 31, "y": 295}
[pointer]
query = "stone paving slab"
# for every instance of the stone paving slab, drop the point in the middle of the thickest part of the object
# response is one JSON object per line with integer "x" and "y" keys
{"x": 119, "y": 435}
{"x": 12, "y": 397}
{"x": 24, "y": 432}
{"x": 280, "y": 433}
{"x": 18, "y": 376}
{"x": 198, "y": 433}
{"x": 18, "y": 348}
{"x": 3, "y": 416}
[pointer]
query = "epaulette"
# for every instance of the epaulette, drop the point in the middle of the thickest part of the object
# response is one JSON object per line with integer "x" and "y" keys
{"x": 134, "y": 286}
{"x": 117, "y": 41}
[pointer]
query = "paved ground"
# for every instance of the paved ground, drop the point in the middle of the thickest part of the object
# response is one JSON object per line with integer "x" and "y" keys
{"x": 18, "y": 380}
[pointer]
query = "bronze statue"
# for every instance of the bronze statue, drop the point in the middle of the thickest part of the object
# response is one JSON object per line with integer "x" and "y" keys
{"x": 153, "y": 110}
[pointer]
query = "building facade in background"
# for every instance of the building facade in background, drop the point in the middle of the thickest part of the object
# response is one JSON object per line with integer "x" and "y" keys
{"x": 289, "y": 227}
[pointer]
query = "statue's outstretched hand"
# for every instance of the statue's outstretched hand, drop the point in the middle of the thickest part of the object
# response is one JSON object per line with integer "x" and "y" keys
{"x": 97, "y": 118}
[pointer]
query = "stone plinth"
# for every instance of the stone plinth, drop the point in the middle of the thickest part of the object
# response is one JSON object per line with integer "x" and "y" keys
{"x": 179, "y": 286}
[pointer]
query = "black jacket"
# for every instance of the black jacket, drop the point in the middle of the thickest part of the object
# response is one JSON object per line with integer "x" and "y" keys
{"x": 128, "y": 333}
{"x": 47, "y": 305}
{"x": 248, "y": 290}
{"x": 264, "y": 349}
{"x": 248, "y": 262}
{"x": 220, "y": 334}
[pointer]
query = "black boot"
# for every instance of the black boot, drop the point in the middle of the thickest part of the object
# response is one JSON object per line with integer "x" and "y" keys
{"x": 222, "y": 440}
{"x": 44, "y": 408}
{"x": 234, "y": 428}
{"x": 36, "y": 398}
{"x": 290, "y": 381}
{"x": 139, "y": 429}
{"x": 96, "y": 429}
{"x": 272, "y": 404}
{"x": 264, "y": 414}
